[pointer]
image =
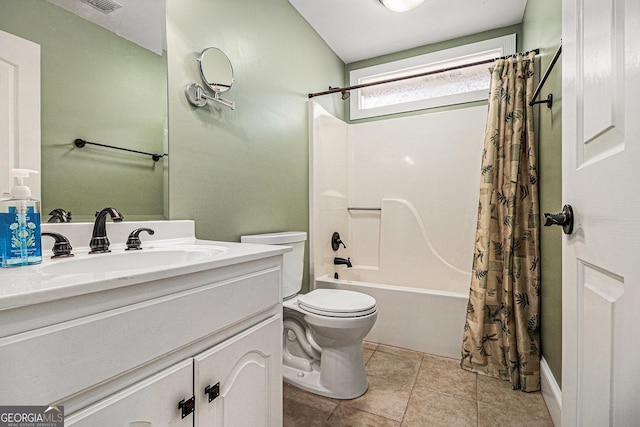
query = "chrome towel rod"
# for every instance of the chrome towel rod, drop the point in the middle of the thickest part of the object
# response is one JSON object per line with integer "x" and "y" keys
{"x": 81, "y": 143}
{"x": 427, "y": 73}
{"x": 549, "y": 100}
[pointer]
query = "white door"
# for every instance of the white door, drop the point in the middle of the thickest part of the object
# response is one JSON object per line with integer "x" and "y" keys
{"x": 246, "y": 374}
{"x": 19, "y": 110}
{"x": 601, "y": 180}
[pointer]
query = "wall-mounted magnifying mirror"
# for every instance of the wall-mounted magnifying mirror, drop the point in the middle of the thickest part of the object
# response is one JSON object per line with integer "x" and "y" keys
{"x": 216, "y": 69}
{"x": 217, "y": 73}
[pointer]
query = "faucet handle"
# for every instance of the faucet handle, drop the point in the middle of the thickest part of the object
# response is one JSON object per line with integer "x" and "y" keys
{"x": 133, "y": 241}
{"x": 59, "y": 215}
{"x": 62, "y": 247}
{"x": 336, "y": 241}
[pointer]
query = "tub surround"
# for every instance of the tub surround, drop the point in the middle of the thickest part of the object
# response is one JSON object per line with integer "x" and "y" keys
{"x": 403, "y": 195}
{"x": 401, "y": 192}
{"x": 130, "y": 346}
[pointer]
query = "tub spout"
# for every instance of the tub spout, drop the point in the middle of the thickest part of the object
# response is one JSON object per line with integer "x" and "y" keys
{"x": 342, "y": 261}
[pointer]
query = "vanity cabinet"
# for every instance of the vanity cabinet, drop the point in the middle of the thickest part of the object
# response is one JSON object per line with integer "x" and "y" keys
{"x": 127, "y": 354}
{"x": 236, "y": 383}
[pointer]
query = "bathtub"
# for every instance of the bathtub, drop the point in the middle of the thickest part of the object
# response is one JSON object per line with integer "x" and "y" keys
{"x": 415, "y": 318}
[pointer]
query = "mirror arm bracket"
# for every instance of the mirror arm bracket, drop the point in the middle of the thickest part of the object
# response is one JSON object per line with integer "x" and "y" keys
{"x": 197, "y": 97}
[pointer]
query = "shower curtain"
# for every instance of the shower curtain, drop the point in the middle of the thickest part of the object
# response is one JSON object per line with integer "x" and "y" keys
{"x": 501, "y": 334}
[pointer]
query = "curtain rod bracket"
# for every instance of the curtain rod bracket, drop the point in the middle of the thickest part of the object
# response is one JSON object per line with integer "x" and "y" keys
{"x": 548, "y": 101}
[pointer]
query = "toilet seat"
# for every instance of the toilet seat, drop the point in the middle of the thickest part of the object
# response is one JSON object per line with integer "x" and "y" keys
{"x": 337, "y": 303}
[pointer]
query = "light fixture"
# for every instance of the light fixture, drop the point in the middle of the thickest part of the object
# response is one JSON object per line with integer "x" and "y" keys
{"x": 401, "y": 5}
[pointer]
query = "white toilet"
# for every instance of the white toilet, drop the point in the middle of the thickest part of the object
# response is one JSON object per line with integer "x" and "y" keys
{"x": 323, "y": 329}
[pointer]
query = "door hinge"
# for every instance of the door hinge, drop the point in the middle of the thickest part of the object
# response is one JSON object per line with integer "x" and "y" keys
{"x": 212, "y": 391}
{"x": 188, "y": 406}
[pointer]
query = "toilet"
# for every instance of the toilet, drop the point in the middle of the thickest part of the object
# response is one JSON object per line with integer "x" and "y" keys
{"x": 323, "y": 329}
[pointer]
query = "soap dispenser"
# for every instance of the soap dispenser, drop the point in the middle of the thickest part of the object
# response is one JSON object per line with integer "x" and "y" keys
{"x": 20, "y": 225}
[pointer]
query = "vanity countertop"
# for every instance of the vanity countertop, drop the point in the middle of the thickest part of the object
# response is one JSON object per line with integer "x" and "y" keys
{"x": 27, "y": 285}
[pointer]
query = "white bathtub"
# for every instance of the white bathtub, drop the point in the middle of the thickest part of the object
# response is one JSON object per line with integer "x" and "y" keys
{"x": 426, "y": 320}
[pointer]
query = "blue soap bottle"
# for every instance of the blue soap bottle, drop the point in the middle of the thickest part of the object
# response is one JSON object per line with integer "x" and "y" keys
{"x": 20, "y": 239}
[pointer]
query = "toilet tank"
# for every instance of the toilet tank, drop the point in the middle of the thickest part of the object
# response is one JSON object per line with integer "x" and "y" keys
{"x": 293, "y": 264}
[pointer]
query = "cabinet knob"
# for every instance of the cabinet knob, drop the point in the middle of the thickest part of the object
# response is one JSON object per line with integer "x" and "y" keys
{"x": 212, "y": 391}
{"x": 188, "y": 406}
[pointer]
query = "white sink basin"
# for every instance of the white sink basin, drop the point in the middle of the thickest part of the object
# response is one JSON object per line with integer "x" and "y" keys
{"x": 116, "y": 263}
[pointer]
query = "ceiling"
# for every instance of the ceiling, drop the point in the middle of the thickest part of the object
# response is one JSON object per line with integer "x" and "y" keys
{"x": 353, "y": 29}
{"x": 139, "y": 21}
{"x": 363, "y": 29}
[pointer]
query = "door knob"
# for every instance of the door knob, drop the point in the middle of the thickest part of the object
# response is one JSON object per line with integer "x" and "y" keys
{"x": 564, "y": 219}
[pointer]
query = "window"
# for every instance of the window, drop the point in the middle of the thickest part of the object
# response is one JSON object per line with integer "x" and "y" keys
{"x": 447, "y": 88}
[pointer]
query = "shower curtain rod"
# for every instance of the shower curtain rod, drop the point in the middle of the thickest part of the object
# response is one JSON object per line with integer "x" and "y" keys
{"x": 427, "y": 73}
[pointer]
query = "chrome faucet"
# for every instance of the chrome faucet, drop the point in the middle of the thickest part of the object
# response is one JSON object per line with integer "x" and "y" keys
{"x": 342, "y": 261}
{"x": 99, "y": 241}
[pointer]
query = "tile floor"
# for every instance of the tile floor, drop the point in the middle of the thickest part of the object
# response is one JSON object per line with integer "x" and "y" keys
{"x": 408, "y": 388}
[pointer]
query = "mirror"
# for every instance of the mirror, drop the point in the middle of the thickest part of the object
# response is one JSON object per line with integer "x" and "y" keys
{"x": 216, "y": 69}
{"x": 216, "y": 72}
{"x": 99, "y": 87}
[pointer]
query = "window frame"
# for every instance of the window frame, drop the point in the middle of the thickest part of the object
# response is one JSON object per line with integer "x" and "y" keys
{"x": 496, "y": 47}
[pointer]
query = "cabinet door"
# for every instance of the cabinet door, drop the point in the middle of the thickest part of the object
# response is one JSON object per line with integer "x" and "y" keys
{"x": 248, "y": 368}
{"x": 149, "y": 403}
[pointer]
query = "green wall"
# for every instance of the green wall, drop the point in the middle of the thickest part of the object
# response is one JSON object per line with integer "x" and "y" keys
{"x": 245, "y": 171}
{"x": 542, "y": 27}
{"x": 102, "y": 88}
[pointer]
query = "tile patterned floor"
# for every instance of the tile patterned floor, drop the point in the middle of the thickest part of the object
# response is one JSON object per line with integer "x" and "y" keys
{"x": 408, "y": 388}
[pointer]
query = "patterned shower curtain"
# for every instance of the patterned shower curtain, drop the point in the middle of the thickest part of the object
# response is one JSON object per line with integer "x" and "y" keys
{"x": 502, "y": 331}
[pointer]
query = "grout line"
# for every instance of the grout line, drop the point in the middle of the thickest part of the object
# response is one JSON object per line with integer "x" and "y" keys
{"x": 415, "y": 381}
{"x": 333, "y": 412}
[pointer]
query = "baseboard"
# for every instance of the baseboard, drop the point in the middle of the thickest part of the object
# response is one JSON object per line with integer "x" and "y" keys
{"x": 551, "y": 393}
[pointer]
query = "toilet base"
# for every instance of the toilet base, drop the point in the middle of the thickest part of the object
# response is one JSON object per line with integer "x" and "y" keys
{"x": 310, "y": 381}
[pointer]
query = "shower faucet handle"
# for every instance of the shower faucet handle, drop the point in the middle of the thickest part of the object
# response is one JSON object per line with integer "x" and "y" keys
{"x": 336, "y": 242}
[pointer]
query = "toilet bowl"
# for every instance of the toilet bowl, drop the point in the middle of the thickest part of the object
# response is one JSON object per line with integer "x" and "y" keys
{"x": 323, "y": 329}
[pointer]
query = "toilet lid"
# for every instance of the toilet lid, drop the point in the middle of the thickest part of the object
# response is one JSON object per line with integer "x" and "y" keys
{"x": 337, "y": 303}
